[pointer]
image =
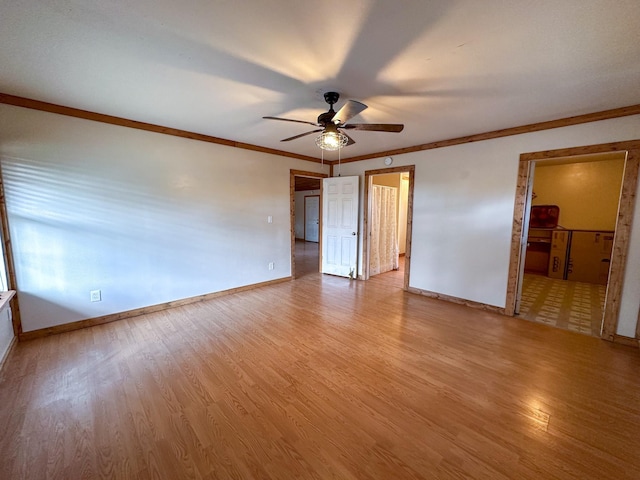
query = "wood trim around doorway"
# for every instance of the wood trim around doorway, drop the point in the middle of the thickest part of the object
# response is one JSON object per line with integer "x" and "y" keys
{"x": 7, "y": 252}
{"x": 292, "y": 213}
{"x": 410, "y": 169}
{"x": 622, "y": 234}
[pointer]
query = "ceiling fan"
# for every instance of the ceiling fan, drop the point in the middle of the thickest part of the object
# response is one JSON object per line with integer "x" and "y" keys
{"x": 332, "y": 124}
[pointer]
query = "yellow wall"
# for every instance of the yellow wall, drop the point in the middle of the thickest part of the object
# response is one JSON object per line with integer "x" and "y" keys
{"x": 388, "y": 179}
{"x": 587, "y": 193}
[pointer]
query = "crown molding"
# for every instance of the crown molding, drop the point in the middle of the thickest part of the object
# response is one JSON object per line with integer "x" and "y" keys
{"x": 506, "y": 132}
{"x": 149, "y": 127}
{"x": 479, "y": 137}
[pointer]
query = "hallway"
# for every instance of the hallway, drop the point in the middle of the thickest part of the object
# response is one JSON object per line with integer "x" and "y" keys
{"x": 307, "y": 263}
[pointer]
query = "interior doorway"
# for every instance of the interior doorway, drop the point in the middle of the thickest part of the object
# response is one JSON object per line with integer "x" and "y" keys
{"x": 312, "y": 218}
{"x": 388, "y": 217}
{"x": 618, "y": 261}
{"x": 574, "y": 203}
{"x": 10, "y": 324}
{"x": 306, "y": 229}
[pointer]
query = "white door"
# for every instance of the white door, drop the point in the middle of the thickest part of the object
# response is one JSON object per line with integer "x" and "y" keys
{"x": 311, "y": 218}
{"x": 340, "y": 226}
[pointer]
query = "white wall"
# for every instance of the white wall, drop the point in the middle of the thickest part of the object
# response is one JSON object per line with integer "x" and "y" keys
{"x": 150, "y": 218}
{"x": 463, "y": 212}
{"x": 144, "y": 217}
{"x": 630, "y": 303}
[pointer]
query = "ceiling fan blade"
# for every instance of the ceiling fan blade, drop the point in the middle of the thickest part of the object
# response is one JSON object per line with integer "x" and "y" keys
{"x": 375, "y": 127}
{"x": 291, "y": 120}
{"x": 348, "y": 111}
{"x": 301, "y": 135}
{"x": 351, "y": 141}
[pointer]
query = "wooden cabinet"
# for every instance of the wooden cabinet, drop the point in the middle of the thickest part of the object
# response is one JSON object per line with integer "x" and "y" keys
{"x": 538, "y": 249}
{"x": 578, "y": 255}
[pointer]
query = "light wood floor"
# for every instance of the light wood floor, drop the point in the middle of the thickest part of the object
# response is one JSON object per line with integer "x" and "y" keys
{"x": 321, "y": 377}
{"x": 307, "y": 258}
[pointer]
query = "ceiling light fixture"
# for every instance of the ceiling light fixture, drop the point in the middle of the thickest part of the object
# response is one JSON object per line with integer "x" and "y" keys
{"x": 331, "y": 138}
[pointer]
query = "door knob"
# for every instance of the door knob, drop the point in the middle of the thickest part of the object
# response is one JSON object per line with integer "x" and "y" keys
{"x": 353, "y": 233}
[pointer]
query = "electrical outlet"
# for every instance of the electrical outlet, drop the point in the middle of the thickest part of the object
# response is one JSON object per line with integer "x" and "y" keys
{"x": 271, "y": 265}
{"x": 96, "y": 296}
{"x": 270, "y": 219}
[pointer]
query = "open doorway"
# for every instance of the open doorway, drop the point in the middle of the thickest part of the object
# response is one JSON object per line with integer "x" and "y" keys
{"x": 572, "y": 220}
{"x": 388, "y": 216}
{"x": 306, "y": 228}
{"x": 618, "y": 260}
{"x": 10, "y": 325}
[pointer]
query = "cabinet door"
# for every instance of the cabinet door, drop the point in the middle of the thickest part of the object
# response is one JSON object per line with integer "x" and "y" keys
{"x": 589, "y": 257}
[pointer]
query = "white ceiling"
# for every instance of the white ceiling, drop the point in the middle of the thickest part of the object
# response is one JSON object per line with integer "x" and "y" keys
{"x": 443, "y": 68}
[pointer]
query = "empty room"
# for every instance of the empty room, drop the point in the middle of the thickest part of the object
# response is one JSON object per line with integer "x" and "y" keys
{"x": 346, "y": 240}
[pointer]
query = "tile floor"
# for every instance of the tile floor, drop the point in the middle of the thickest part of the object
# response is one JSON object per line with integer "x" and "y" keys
{"x": 561, "y": 303}
{"x": 564, "y": 304}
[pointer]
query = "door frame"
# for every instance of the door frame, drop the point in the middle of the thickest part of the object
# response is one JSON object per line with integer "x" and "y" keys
{"x": 305, "y": 215}
{"x": 292, "y": 213}
{"x": 622, "y": 229}
{"x": 366, "y": 242}
{"x": 7, "y": 253}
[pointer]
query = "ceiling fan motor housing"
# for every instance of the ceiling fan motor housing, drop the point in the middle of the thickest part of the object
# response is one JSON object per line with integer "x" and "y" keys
{"x": 325, "y": 118}
{"x": 331, "y": 97}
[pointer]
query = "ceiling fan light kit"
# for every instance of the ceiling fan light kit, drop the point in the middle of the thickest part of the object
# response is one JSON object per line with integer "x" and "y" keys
{"x": 331, "y": 122}
{"x": 331, "y": 140}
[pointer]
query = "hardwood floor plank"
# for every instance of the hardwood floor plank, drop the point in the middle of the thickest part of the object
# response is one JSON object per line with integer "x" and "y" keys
{"x": 321, "y": 377}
